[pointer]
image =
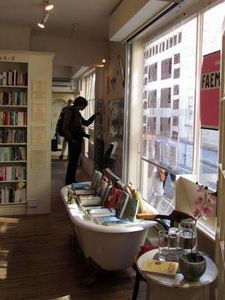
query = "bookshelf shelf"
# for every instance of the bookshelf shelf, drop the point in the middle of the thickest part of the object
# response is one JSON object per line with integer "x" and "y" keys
{"x": 12, "y": 161}
{"x": 11, "y": 144}
{"x": 12, "y": 204}
{"x": 12, "y": 181}
{"x": 13, "y": 126}
{"x": 14, "y": 86}
{"x": 13, "y": 106}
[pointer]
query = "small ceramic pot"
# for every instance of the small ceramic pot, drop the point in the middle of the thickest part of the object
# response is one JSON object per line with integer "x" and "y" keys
{"x": 192, "y": 266}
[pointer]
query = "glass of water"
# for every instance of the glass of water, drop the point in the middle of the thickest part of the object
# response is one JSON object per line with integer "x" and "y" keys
{"x": 187, "y": 236}
{"x": 163, "y": 244}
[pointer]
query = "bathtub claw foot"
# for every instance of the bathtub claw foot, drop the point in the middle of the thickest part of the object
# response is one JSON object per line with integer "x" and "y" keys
{"x": 95, "y": 269}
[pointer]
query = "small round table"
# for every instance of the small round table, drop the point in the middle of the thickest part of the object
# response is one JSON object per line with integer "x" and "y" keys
{"x": 160, "y": 287}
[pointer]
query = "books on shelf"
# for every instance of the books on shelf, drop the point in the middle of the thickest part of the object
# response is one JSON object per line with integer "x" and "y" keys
{"x": 12, "y": 153}
{"x": 12, "y": 195}
{"x": 13, "y": 118}
{"x": 160, "y": 267}
{"x": 9, "y": 135}
{"x": 12, "y": 173}
{"x": 110, "y": 220}
{"x": 18, "y": 98}
{"x": 13, "y": 78}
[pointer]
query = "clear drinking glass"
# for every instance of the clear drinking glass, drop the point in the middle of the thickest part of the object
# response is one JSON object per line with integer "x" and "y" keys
{"x": 173, "y": 243}
{"x": 163, "y": 244}
{"x": 187, "y": 236}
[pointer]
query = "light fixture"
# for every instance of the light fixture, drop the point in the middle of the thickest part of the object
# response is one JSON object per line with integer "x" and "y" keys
{"x": 48, "y": 5}
{"x": 41, "y": 24}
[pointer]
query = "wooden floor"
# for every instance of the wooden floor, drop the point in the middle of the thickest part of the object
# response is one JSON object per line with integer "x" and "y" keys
{"x": 37, "y": 262}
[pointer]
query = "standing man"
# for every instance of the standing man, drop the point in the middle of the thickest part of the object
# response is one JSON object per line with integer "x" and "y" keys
{"x": 64, "y": 144}
{"x": 74, "y": 133}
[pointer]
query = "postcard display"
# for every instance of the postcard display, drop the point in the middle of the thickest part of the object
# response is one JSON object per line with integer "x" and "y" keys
{"x": 25, "y": 169}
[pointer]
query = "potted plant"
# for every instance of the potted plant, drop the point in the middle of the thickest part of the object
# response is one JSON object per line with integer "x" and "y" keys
{"x": 193, "y": 264}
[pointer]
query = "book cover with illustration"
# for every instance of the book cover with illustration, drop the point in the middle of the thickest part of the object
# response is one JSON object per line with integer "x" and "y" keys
{"x": 121, "y": 204}
{"x": 113, "y": 198}
{"x": 160, "y": 267}
{"x": 131, "y": 209}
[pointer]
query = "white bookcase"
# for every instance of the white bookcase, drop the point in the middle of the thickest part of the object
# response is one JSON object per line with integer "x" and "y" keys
{"x": 25, "y": 162}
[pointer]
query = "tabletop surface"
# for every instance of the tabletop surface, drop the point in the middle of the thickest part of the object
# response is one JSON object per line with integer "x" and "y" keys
{"x": 177, "y": 281}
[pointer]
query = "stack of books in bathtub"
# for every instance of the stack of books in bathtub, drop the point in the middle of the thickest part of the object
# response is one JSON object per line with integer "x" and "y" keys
{"x": 86, "y": 198}
{"x": 117, "y": 208}
{"x": 85, "y": 188}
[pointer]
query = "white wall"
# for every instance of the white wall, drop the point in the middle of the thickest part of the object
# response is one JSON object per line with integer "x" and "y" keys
{"x": 14, "y": 37}
{"x": 68, "y": 52}
{"x": 71, "y": 52}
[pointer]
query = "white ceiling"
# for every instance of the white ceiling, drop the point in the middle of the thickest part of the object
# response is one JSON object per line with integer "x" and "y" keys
{"x": 86, "y": 18}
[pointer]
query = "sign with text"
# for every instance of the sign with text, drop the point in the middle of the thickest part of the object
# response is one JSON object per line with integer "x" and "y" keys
{"x": 210, "y": 91}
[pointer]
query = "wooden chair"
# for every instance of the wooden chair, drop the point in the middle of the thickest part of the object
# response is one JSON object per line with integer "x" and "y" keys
{"x": 166, "y": 221}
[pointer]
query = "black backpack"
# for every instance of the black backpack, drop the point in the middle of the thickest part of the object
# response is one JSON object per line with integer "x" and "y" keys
{"x": 59, "y": 124}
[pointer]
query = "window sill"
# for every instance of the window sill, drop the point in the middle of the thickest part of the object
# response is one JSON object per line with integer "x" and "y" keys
{"x": 208, "y": 231}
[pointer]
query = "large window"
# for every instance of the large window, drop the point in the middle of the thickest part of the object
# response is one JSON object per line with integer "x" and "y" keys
{"x": 166, "y": 92}
{"x": 168, "y": 112}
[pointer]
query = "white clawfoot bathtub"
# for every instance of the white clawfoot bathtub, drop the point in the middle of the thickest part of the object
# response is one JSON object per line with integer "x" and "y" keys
{"x": 111, "y": 247}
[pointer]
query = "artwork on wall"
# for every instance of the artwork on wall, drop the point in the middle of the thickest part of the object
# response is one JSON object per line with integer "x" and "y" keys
{"x": 116, "y": 118}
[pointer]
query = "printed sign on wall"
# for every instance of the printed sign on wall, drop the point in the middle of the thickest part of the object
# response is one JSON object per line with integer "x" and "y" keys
{"x": 210, "y": 91}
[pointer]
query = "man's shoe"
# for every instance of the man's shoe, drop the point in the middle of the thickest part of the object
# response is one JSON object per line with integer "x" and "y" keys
{"x": 61, "y": 156}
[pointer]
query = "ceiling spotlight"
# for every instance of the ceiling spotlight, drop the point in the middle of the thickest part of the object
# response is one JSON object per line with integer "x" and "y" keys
{"x": 48, "y": 5}
{"x": 41, "y": 24}
{"x": 103, "y": 60}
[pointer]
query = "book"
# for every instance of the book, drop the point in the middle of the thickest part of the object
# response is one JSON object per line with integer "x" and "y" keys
{"x": 121, "y": 204}
{"x": 110, "y": 220}
{"x": 89, "y": 200}
{"x": 131, "y": 209}
{"x": 101, "y": 212}
{"x": 95, "y": 179}
{"x": 160, "y": 267}
{"x": 113, "y": 198}
{"x": 101, "y": 188}
{"x": 85, "y": 192}
{"x": 81, "y": 185}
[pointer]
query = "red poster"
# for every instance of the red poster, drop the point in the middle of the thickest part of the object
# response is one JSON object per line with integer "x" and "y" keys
{"x": 210, "y": 91}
